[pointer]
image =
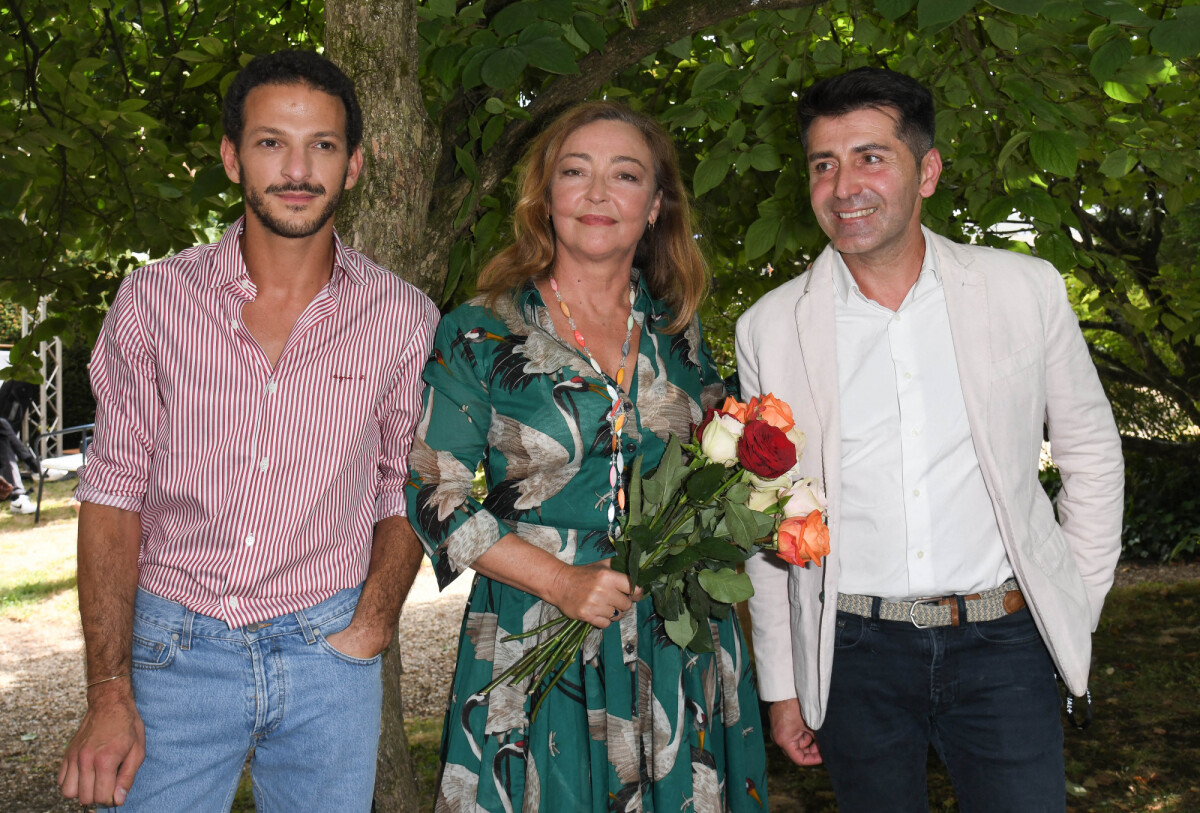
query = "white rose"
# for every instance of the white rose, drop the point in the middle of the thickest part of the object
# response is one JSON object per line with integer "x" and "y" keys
{"x": 762, "y": 499}
{"x": 804, "y": 497}
{"x": 797, "y": 438}
{"x": 780, "y": 482}
{"x": 719, "y": 442}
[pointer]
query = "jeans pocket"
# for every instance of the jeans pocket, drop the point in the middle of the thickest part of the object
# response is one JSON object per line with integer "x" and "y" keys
{"x": 153, "y": 648}
{"x": 342, "y": 656}
{"x": 1017, "y": 628}
{"x": 850, "y": 631}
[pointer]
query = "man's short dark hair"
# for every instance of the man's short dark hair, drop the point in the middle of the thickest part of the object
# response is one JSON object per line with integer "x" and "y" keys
{"x": 291, "y": 68}
{"x": 876, "y": 88}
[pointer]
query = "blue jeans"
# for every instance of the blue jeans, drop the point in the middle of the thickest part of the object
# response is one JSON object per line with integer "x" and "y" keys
{"x": 210, "y": 696}
{"x": 984, "y": 695}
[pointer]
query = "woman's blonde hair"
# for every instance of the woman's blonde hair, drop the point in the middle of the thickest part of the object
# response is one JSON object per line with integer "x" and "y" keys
{"x": 667, "y": 254}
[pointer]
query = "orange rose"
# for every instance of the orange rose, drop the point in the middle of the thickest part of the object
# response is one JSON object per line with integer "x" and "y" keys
{"x": 803, "y": 539}
{"x": 734, "y": 409}
{"x": 771, "y": 410}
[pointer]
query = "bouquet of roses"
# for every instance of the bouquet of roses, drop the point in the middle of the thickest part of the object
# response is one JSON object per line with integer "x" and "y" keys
{"x": 710, "y": 504}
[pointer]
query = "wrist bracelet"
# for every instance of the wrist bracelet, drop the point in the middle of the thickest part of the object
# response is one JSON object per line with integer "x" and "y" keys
{"x": 107, "y": 679}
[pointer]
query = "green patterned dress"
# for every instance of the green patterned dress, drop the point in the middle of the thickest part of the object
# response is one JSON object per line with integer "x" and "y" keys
{"x": 636, "y": 724}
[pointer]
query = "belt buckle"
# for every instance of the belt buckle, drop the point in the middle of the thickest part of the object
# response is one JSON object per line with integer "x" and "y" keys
{"x": 912, "y": 611}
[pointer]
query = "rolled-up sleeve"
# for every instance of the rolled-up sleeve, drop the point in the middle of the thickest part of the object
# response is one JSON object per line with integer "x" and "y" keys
{"x": 125, "y": 386}
{"x": 401, "y": 408}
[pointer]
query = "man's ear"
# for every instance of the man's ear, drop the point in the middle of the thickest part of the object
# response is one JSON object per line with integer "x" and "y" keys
{"x": 229, "y": 157}
{"x": 355, "y": 167}
{"x": 930, "y": 171}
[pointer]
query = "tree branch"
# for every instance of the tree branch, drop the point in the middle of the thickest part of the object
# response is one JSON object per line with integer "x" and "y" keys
{"x": 657, "y": 28}
{"x": 1156, "y": 447}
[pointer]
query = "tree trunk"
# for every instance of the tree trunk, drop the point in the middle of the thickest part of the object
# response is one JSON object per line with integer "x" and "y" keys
{"x": 375, "y": 43}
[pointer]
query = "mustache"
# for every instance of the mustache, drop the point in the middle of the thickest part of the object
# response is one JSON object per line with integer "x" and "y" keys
{"x": 307, "y": 188}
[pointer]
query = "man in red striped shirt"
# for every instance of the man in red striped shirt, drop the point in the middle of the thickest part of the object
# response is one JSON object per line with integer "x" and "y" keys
{"x": 243, "y": 549}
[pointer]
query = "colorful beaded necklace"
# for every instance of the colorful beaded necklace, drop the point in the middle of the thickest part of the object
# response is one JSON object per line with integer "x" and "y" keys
{"x": 616, "y": 415}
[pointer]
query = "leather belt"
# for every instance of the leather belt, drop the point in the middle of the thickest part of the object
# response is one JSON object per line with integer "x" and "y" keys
{"x": 939, "y": 611}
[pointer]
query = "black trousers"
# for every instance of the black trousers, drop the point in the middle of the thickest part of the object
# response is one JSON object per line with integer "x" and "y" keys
{"x": 12, "y": 452}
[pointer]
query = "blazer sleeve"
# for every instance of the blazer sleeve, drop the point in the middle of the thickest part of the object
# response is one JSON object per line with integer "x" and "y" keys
{"x": 1086, "y": 447}
{"x": 770, "y": 616}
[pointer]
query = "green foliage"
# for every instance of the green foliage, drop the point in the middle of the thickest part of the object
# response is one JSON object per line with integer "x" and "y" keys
{"x": 108, "y": 140}
{"x": 1162, "y": 509}
{"x": 1068, "y": 130}
{"x": 10, "y": 322}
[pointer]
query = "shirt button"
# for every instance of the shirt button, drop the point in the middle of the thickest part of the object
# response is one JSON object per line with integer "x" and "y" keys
{"x": 907, "y": 375}
{"x": 916, "y": 492}
{"x": 916, "y": 432}
{"x": 262, "y": 464}
{"x": 249, "y": 540}
{"x": 272, "y": 386}
{"x": 920, "y": 554}
{"x": 232, "y": 602}
{"x": 897, "y": 318}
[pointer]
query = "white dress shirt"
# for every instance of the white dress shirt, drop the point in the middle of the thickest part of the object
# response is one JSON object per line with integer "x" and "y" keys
{"x": 916, "y": 517}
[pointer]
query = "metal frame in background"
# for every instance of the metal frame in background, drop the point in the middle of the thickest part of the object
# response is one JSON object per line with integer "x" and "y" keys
{"x": 48, "y": 421}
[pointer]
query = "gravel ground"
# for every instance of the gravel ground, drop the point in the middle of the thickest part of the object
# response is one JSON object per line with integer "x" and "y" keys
{"x": 41, "y": 677}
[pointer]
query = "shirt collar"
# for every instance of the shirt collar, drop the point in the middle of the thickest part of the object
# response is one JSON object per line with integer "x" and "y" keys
{"x": 227, "y": 265}
{"x": 929, "y": 277}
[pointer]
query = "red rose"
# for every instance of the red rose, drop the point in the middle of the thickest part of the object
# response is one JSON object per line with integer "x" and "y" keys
{"x": 765, "y": 450}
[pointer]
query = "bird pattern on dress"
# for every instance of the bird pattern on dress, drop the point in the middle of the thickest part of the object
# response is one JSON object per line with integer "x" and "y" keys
{"x": 635, "y": 724}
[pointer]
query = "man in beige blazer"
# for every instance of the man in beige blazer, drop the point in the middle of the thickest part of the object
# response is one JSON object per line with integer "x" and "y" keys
{"x": 923, "y": 373}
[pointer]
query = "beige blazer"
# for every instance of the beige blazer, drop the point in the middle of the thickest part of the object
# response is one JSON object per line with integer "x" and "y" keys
{"x": 1023, "y": 363}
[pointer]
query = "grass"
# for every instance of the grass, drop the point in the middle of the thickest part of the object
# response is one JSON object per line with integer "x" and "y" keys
{"x": 37, "y": 562}
{"x": 1140, "y": 751}
{"x": 1139, "y": 754}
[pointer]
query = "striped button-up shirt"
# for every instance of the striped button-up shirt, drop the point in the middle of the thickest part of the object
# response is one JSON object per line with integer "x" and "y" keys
{"x": 258, "y": 487}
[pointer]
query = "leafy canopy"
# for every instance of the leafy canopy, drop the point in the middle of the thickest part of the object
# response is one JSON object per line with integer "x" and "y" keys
{"x": 1069, "y": 130}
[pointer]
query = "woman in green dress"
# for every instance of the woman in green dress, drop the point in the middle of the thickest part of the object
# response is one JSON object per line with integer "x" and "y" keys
{"x": 582, "y": 351}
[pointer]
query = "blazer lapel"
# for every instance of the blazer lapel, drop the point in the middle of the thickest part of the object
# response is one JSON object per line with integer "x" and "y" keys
{"x": 970, "y": 324}
{"x": 816, "y": 329}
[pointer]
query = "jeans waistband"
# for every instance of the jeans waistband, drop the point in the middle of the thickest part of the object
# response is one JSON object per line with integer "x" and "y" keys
{"x": 174, "y": 616}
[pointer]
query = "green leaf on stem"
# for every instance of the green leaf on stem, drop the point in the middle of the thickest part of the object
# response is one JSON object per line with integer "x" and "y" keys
{"x": 640, "y": 540}
{"x": 702, "y": 641}
{"x": 698, "y": 600}
{"x": 703, "y": 484}
{"x": 652, "y": 495}
{"x": 681, "y": 630}
{"x": 741, "y": 525}
{"x": 764, "y": 523}
{"x": 666, "y": 603}
{"x": 671, "y": 469}
{"x": 727, "y": 585}
{"x": 682, "y": 560}
{"x": 721, "y": 549}
{"x": 738, "y": 493}
{"x": 635, "y": 492}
